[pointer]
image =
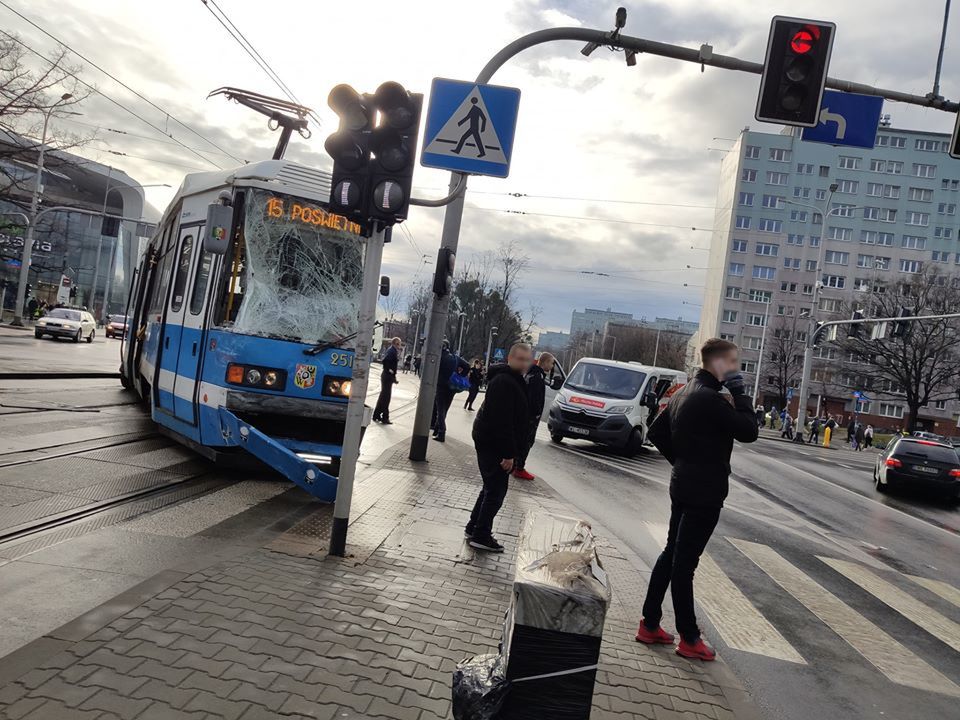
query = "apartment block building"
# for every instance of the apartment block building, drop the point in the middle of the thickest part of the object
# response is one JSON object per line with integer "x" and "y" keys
{"x": 893, "y": 212}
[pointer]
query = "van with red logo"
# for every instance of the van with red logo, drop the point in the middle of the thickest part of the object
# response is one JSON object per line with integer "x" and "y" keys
{"x": 611, "y": 402}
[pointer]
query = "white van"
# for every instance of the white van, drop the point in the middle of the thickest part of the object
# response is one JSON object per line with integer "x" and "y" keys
{"x": 611, "y": 402}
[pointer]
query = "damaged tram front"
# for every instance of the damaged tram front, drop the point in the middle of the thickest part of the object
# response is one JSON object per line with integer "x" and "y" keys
{"x": 241, "y": 312}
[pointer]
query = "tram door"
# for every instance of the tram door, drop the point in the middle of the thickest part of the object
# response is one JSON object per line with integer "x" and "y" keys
{"x": 192, "y": 339}
{"x": 173, "y": 323}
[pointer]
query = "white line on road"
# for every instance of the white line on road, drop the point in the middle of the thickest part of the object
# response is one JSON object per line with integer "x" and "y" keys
{"x": 889, "y": 657}
{"x": 738, "y": 622}
{"x": 947, "y": 592}
{"x": 930, "y": 620}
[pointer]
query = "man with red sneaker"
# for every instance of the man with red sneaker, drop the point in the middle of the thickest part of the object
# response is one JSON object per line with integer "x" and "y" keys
{"x": 695, "y": 433}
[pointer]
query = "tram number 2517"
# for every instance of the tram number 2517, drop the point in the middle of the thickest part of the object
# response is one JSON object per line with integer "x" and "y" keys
{"x": 341, "y": 359}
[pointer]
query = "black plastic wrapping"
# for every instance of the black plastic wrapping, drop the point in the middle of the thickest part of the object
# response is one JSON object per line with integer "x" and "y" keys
{"x": 479, "y": 688}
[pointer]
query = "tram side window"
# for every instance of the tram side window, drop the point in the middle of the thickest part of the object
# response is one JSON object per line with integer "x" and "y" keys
{"x": 165, "y": 264}
{"x": 183, "y": 272}
{"x": 200, "y": 283}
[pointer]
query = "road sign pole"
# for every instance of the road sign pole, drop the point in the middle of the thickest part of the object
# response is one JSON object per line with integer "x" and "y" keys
{"x": 450, "y": 237}
{"x": 358, "y": 393}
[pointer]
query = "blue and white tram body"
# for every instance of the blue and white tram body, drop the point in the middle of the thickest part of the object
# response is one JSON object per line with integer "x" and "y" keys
{"x": 235, "y": 350}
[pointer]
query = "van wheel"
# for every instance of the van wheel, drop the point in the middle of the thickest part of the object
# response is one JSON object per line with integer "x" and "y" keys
{"x": 634, "y": 444}
{"x": 558, "y": 439}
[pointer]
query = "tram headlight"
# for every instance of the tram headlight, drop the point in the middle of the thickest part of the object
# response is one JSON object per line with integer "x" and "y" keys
{"x": 337, "y": 386}
{"x": 256, "y": 376}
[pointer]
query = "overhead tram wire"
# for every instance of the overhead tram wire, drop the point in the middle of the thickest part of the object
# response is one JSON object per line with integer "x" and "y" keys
{"x": 584, "y": 218}
{"x": 123, "y": 85}
{"x": 254, "y": 54}
{"x": 594, "y": 200}
{"x": 73, "y": 121}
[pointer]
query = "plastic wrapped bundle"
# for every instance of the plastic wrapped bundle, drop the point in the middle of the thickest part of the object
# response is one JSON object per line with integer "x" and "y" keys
{"x": 479, "y": 687}
{"x": 555, "y": 623}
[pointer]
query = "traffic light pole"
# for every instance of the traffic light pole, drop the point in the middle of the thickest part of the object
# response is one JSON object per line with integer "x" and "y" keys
{"x": 808, "y": 354}
{"x": 593, "y": 38}
{"x": 358, "y": 393}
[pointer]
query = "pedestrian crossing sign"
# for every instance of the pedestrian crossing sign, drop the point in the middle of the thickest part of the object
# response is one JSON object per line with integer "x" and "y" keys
{"x": 470, "y": 127}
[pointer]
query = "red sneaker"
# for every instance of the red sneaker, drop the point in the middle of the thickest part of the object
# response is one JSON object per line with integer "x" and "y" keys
{"x": 697, "y": 651}
{"x": 523, "y": 475}
{"x": 653, "y": 637}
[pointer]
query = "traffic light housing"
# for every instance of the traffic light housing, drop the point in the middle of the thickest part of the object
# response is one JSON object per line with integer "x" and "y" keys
{"x": 443, "y": 277}
{"x": 855, "y": 330}
{"x": 394, "y": 147}
{"x": 349, "y": 148}
{"x": 902, "y": 329}
{"x": 28, "y": 291}
{"x": 795, "y": 71}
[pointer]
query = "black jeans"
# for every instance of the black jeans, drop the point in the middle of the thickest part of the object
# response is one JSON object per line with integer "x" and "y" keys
{"x": 526, "y": 445}
{"x": 441, "y": 406}
{"x": 382, "y": 410}
{"x": 490, "y": 499}
{"x": 690, "y": 528}
{"x": 471, "y": 396}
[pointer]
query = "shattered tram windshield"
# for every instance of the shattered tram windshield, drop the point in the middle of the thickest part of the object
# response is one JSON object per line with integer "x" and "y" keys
{"x": 299, "y": 272}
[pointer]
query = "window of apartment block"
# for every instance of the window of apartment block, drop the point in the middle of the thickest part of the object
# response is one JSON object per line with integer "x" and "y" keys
{"x": 920, "y": 194}
{"x": 764, "y": 272}
{"x": 736, "y": 269}
{"x": 768, "y": 249}
{"x": 745, "y": 199}
{"x": 848, "y": 187}
{"x": 947, "y": 209}
{"x": 910, "y": 266}
{"x": 913, "y": 242}
{"x": 769, "y": 225}
{"x": 835, "y": 257}
{"x": 848, "y": 162}
{"x": 834, "y": 281}
{"x": 777, "y": 178}
{"x": 917, "y": 218}
{"x": 779, "y": 155}
{"x": 804, "y": 169}
{"x": 739, "y": 246}
{"x": 743, "y": 222}
{"x": 752, "y": 152}
{"x": 748, "y": 175}
{"x": 729, "y": 316}
{"x": 924, "y": 171}
{"x": 891, "y": 410}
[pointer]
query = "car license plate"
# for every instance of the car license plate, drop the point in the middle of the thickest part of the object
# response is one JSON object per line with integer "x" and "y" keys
{"x": 577, "y": 430}
{"x": 924, "y": 469}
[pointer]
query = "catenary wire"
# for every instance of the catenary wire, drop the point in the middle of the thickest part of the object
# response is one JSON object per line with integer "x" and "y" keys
{"x": 122, "y": 84}
{"x": 74, "y": 121}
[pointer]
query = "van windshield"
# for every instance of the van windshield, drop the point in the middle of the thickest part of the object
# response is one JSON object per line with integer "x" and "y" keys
{"x": 605, "y": 380}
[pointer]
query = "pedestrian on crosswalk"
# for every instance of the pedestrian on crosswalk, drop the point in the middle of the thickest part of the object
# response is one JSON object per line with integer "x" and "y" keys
{"x": 695, "y": 433}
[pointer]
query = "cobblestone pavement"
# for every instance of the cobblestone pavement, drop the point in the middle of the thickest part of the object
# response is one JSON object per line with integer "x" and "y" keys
{"x": 285, "y": 631}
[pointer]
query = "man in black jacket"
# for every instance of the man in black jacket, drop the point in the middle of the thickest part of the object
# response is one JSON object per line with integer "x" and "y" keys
{"x": 536, "y": 396}
{"x": 449, "y": 364}
{"x": 388, "y": 378}
{"x": 695, "y": 433}
{"x": 499, "y": 431}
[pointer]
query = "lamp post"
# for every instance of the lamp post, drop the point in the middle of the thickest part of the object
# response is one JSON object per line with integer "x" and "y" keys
{"x": 656, "y": 348}
{"x": 492, "y": 334}
{"x": 31, "y": 227}
{"x": 462, "y": 319}
{"x": 763, "y": 341}
{"x": 825, "y": 212}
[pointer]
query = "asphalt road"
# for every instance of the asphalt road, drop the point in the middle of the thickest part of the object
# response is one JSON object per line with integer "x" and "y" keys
{"x": 826, "y": 598}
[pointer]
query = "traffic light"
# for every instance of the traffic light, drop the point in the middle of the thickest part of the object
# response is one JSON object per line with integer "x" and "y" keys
{"x": 955, "y": 140}
{"x": 350, "y": 149}
{"x": 73, "y": 293}
{"x": 443, "y": 277}
{"x": 394, "y": 146}
{"x": 902, "y": 329}
{"x": 28, "y": 292}
{"x": 795, "y": 71}
{"x": 855, "y": 330}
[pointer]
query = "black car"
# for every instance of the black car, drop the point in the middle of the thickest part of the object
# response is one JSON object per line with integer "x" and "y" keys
{"x": 909, "y": 462}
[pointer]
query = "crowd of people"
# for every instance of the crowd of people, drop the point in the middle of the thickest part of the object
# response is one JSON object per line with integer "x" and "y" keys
{"x": 859, "y": 434}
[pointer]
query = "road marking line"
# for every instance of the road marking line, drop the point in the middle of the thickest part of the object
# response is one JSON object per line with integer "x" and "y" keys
{"x": 736, "y": 619}
{"x": 891, "y": 658}
{"x": 947, "y": 592}
{"x": 930, "y": 620}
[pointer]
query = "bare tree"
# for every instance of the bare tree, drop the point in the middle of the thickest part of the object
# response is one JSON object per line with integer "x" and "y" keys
{"x": 919, "y": 364}
{"x": 28, "y": 91}
{"x": 783, "y": 359}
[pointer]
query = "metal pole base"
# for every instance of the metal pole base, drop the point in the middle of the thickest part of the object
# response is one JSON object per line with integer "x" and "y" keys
{"x": 418, "y": 447}
{"x": 16, "y": 322}
{"x": 799, "y": 439}
{"x": 338, "y": 537}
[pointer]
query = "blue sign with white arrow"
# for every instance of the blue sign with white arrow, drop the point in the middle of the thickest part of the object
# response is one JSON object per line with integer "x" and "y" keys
{"x": 847, "y": 119}
{"x": 470, "y": 127}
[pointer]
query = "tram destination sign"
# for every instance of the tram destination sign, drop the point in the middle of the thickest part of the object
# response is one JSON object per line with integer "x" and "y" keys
{"x": 298, "y": 211}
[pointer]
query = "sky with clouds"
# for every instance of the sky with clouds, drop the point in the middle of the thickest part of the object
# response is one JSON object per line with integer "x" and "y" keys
{"x": 629, "y": 156}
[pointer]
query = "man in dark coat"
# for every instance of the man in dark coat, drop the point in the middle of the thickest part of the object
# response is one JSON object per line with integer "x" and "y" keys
{"x": 499, "y": 431}
{"x": 695, "y": 433}
{"x": 475, "y": 377}
{"x": 536, "y": 394}
{"x": 388, "y": 378}
{"x": 448, "y": 365}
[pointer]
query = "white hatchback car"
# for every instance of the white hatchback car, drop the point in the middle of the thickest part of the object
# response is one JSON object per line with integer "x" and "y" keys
{"x": 67, "y": 322}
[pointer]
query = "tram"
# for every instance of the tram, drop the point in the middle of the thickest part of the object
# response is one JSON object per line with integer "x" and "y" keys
{"x": 238, "y": 314}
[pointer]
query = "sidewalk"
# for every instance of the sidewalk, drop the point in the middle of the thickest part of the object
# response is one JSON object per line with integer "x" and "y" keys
{"x": 837, "y": 442}
{"x": 285, "y": 631}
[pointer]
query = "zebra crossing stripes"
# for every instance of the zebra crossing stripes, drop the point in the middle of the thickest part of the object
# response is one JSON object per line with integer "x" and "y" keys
{"x": 892, "y": 659}
{"x": 947, "y": 592}
{"x": 914, "y": 610}
{"x": 738, "y": 622}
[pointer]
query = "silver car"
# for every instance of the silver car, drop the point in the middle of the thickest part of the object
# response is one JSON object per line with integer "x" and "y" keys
{"x": 67, "y": 322}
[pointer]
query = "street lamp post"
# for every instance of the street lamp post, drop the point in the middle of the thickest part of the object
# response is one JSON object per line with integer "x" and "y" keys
{"x": 31, "y": 227}
{"x": 613, "y": 347}
{"x": 763, "y": 340}
{"x": 656, "y": 348}
{"x": 492, "y": 334}
{"x": 462, "y": 318}
{"x": 825, "y": 212}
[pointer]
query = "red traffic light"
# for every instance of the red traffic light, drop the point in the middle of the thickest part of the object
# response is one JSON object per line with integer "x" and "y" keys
{"x": 802, "y": 42}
